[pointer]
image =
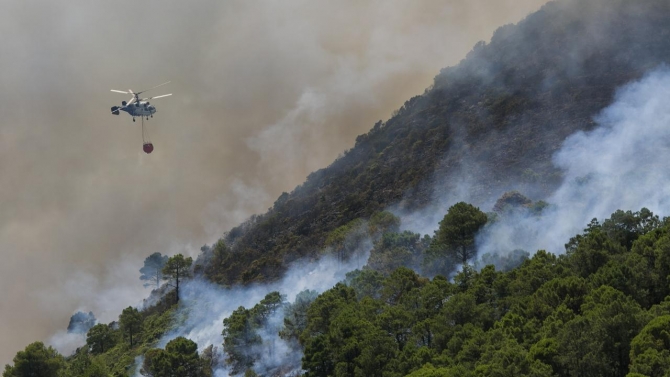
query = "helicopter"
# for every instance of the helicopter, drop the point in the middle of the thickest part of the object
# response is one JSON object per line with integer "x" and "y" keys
{"x": 137, "y": 107}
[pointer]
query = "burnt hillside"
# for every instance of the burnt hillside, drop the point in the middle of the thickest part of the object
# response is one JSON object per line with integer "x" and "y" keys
{"x": 497, "y": 117}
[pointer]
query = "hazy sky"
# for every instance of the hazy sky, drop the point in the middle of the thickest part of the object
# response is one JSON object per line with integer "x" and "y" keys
{"x": 264, "y": 93}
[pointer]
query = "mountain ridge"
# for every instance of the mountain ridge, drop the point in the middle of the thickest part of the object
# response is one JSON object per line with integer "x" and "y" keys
{"x": 497, "y": 117}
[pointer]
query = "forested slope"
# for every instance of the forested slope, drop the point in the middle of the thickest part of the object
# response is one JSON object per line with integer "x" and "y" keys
{"x": 601, "y": 309}
{"x": 428, "y": 305}
{"x": 497, "y": 118}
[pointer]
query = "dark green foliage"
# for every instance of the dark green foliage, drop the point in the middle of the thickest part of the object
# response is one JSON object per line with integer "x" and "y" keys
{"x": 347, "y": 239}
{"x": 130, "y": 322}
{"x": 176, "y": 269}
{"x": 598, "y": 310}
{"x": 505, "y": 262}
{"x": 383, "y": 222}
{"x": 592, "y": 250}
{"x": 295, "y": 315}
{"x": 366, "y": 282}
{"x": 239, "y": 337}
{"x": 152, "y": 271}
{"x": 547, "y": 317}
{"x": 241, "y": 340}
{"x": 455, "y": 238}
{"x": 99, "y": 338}
{"x": 179, "y": 359}
{"x": 36, "y": 360}
{"x": 395, "y": 250}
{"x": 626, "y": 227}
{"x": 650, "y": 349}
{"x": 108, "y": 351}
{"x": 83, "y": 365}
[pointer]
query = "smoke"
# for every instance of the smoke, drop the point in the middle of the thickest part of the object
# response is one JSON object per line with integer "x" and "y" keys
{"x": 621, "y": 164}
{"x": 204, "y": 305}
{"x": 67, "y": 343}
{"x": 264, "y": 92}
{"x": 618, "y": 165}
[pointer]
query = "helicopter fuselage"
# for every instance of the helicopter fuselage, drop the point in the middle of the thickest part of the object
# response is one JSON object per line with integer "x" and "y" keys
{"x": 139, "y": 109}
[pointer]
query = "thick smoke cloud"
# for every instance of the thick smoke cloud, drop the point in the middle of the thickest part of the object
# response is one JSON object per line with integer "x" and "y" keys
{"x": 621, "y": 164}
{"x": 264, "y": 92}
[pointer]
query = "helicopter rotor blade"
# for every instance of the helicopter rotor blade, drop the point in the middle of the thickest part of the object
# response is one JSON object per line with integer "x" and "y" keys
{"x": 163, "y": 95}
{"x": 119, "y": 91}
{"x": 146, "y": 90}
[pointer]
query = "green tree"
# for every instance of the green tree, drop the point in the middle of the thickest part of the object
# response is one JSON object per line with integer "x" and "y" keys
{"x": 366, "y": 282}
{"x": 505, "y": 262}
{"x": 429, "y": 370}
{"x": 210, "y": 359}
{"x": 295, "y": 317}
{"x": 347, "y": 239}
{"x": 177, "y": 268}
{"x": 592, "y": 250}
{"x": 179, "y": 359}
{"x": 399, "y": 283}
{"x": 36, "y": 360}
{"x": 626, "y": 227}
{"x": 239, "y": 337}
{"x": 81, "y": 364}
{"x": 96, "y": 369}
{"x": 268, "y": 306}
{"x": 598, "y": 342}
{"x": 457, "y": 231}
{"x": 130, "y": 322}
{"x": 152, "y": 271}
{"x": 241, "y": 340}
{"x": 99, "y": 338}
{"x": 654, "y": 247}
{"x": 383, "y": 222}
{"x": 435, "y": 261}
{"x": 395, "y": 250}
{"x": 323, "y": 310}
{"x": 650, "y": 349}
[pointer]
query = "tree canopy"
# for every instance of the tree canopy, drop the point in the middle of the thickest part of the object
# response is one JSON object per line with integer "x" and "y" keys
{"x": 456, "y": 235}
{"x": 99, "y": 338}
{"x": 179, "y": 359}
{"x": 152, "y": 271}
{"x": 176, "y": 269}
{"x": 36, "y": 360}
{"x": 130, "y": 322}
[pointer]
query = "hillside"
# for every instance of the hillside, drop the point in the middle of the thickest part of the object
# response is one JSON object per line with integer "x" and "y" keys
{"x": 497, "y": 118}
{"x": 462, "y": 301}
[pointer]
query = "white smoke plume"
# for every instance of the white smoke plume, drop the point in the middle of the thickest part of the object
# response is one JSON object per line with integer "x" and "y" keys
{"x": 67, "y": 343}
{"x": 204, "y": 306}
{"x": 621, "y": 164}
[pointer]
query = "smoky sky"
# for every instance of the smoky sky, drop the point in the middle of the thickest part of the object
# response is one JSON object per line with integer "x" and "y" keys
{"x": 264, "y": 93}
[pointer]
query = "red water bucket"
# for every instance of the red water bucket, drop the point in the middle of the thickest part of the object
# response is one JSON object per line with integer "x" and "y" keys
{"x": 148, "y": 148}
